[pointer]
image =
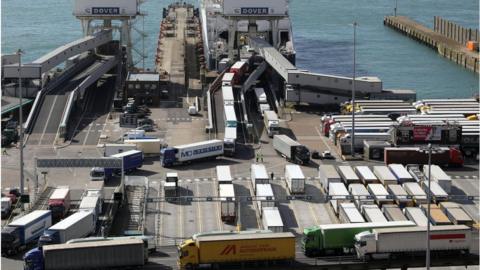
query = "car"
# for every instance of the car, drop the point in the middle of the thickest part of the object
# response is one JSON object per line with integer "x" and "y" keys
{"x": 147, "y": 128}
{"x": 315, "y": 154}
{"x": 145, "y": 121}
{"x": 326, "y": 155}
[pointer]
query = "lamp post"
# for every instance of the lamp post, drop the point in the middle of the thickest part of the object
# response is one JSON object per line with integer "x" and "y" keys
{"x": 429, "y": 149}
{"x": 19, "y": 53}
{"x": 395, "y": 9}
{"x": 353, "y": 90}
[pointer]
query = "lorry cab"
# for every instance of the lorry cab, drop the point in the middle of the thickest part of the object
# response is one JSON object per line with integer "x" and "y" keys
{"x": 33, "y": 259}
{"x": 49, "y": 237}
{"x": 10, "y": 240}
{"x": 187, "y": 254}
{"x": 97, "y": 174}
{"x": 167, "y": 156}
{"x": 365, "y": 243}
{"x": 309, "y": 241}
{"x": 171, "y": 183}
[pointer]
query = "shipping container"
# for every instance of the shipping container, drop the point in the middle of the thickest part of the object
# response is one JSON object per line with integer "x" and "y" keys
{"x": 414, "y": 190}
{"x": 416, "y": 215}
{"x": 348, "y": 213}
{"x": 338, "y": 194}
{"x": 385, "y": 175}
{"x": 380, "y": 194}
{"x": 272, "y": 220}
{"x": 366, "y": 175}
{"x": 227, "y": 79}
{"x": 228, "y": 247}
{"x": 393, "y": 213}
{"x": 259, "y": 174}
{"x": 348, "y": 175}
{"x": 295, "y": 179}
{"x": 228, "y": 210}
{"x": 373, "y": 214}
{"x": 360, "y": 194}
{"x": 223, "y": 175}
{"x": 401, "y": 173}
{"x": 437, "y": 217}
{"x": 59, "y": 202}
{"x": 264, "y": 196}
{"x": 438, "y": 175}
{"x": 328, "y": 174}
{"x": 400, "y": 196}
{"x": 227, "y": 94}
{"x": 437, "y": 194}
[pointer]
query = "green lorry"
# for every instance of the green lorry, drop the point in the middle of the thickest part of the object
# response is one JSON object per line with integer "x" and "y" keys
{"x": 336, "y": 239}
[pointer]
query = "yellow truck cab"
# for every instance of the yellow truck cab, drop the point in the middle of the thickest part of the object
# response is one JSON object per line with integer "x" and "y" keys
{"x": 223, "y": 247}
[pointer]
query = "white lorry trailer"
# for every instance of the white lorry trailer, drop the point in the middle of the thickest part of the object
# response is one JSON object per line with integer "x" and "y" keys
{"x": 228, "y": 210}
{"x": 291, "y": 149}
{"x": 115, "y": 148}
{"x": 437, "y": 194}
{"x": 170, "y": 156}
{"x": 348, "y": 175}
{"x": 337, "y": 194}
{"x": 385, "y": 176}
{"x": 393, "y": 213}
{"x": 328, "y": 174}
{"x": 373, "y": 214}
{"x": 150, "y": 147}
{"x": 229, "y": 141}
{"x": 272, "y": 124}
{"x": 361, "y": 196}
{"x": 456, "y": 213}
{"x": 416, "y": 215}
{"x": 438, "y": 175}
{"x": 258, "y": 174}
{"x": 380, "y": 194}
{"x": 414, "y": 190}
{"x": 401, "y": 173}
{"x": 223, "y": 174}
{"x": 264, "y": 196}
{"x": 366, "y": 175}
{"x": 271, "y": 219}
{"x": 400, "y": 196}
{"x": 382, "y": 243}
{"x": 77, "y": 225}
{"x": 348, "y": 213}
{"x": 295, "y": 179}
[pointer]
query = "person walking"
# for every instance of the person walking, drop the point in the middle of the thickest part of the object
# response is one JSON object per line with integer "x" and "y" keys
{"x": 4, "y": 152}
{"x": 261, "y": 157}
{"x": 257, "y": 156}
{"x": 272, "y": 175}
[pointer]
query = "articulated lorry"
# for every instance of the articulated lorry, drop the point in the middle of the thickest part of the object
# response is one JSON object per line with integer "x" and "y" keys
{"x": 272, "y": 125}
{"x": 383, "y": 243}
{"x": 331, "y": 239}
{"x": 115, "y": 148}
{"x": 228, "y": 247}
{"x": 88, "y": 255}
{"x": 170, "y": 156}
{"x": 132, "y": 160}
{"x": 291, "y": 149}
{"x": 77, "y": 225}
{"x": 59, "y": 202}
{"x": 25, "y": 230}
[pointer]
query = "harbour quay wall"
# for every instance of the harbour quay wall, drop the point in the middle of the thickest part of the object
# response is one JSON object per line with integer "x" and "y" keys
{"x": 445, "y": 38}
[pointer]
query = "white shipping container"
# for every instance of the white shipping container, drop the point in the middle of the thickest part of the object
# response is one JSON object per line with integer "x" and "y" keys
{"x": 147, "y": 146}
{"x": 348, "y": 213}
{"x": 78, "y": 225}
{"x": 117, "y": 8}
{"x": 414, "y": 189}
{"x": 227, "y": 93}
{"x": 272, "y": 220}
{"x": 384, "y": 175}
{"x": 366, "y": 175}
{"x": 114, "y": 148}
{"x": 348, "y": 175}
{"x": 443, "y": 179}
{"x": 360, "y": 194}
{"x": 380, "y": 194}
{"x": 265, "y": 196}
{"x": 328, "y": 174}
{"x": 339, "y": 194}
{"x": 259, "y": 174}
{"x": 437, "y": 193}
{"x": 373, "y": 214}
{"x": 227, "y": 201}
{"x": 223, "y": 175}
{"x": 294, "y": 178}
{"x": 416, "y": 215}
{"x": 401, "y": 173}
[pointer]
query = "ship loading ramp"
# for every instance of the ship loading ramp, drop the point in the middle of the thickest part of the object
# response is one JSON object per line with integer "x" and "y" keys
{"x": 316, "y": 88}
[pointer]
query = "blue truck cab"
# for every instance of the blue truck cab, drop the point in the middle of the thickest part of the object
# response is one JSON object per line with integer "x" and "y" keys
{"x": 168, "y": 156}
{"x": 33, "y": 259}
